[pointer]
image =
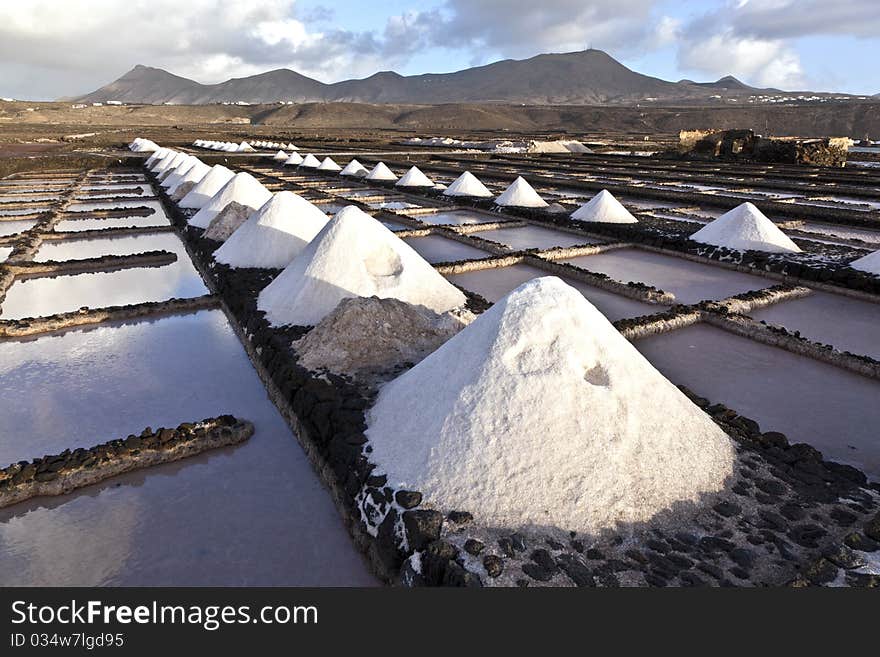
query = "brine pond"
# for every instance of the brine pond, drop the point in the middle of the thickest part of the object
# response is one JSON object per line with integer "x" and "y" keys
{"x": 832, "y": 409}
{"x": 534, "y": 237}
{"x": 690, "y": 282}
{"x": 434, "y": 248}
{"x": 37, "y": 297}
{"x": 254, "y": 514}
{"x": 492, "y": 284}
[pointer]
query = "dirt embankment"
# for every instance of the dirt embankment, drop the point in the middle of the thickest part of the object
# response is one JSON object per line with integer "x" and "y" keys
{"x": 826, "y": 119}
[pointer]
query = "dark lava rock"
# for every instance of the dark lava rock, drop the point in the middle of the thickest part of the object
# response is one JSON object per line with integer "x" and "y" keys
{"x": 636, "y": 556}
{"x": 473, "y": 546}
{"x": 576, "y": 570}
{"x": 821, "y": 572}
{"x": 538, "y": 572}
{"x": 872, "y": 528}
{"x": 493, "y": 565}
{"x": 844, "y": 557}
{"x": 657, "y": 546}
{"x": 460, "y": 517}
{"x": 522, "y": 583}
{"x": 595, "y": 554}
{"x": 843, "y": 517}
{"x": 555, "y": 545}
{"x": 518, "y": 541}
{"x": 807, "y": 535}
{"x": 680, "y": 560}
{"x": 456, "y": 575}
{"x": 739, "y": 572}
{"x": 792, "y": 511}
{"x": 863, "y": 580}
{"x": 686, "y": 538}
{"x": 512, "y": 544}
{"x": 422, "y": 527}
{"x": 692, "y": 579}
{"x": 711, "y": 569}
{"x": 654, "y": 579}
{"x": 578, "y": 546}
{"x": 861, "y": 542}
{"x": 714, "y": 544}
{"x": 727, "y": 509}
{"x": 742, "y": 557}
{"x": 408, "y": 499}
{"x": 544, "y": 559}
{"x": 770, "y": 487}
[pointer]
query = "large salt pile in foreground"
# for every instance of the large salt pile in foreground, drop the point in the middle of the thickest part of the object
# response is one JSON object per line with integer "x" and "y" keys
{"x": 354, "y": 168}
{"x": 310, "y": 162}
{"x": 353, "y": 256}
{"x": 467, "y": 184}
{"x": 541, "y": 413}
{"x": 414, "y": 178}
{"x": 381, "y": 172}
{"x": 869, "y": 263}
{"x": 745, "y": 228}
{"x": 207, "y": 187}
{"x": 603, "y": 208}
{"x": 273, "y": 235}
{"x": 520, "y": 194}
{"x": 242, "y": 189}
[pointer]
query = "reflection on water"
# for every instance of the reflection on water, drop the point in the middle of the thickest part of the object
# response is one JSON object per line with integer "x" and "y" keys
{"x": 47, "y": 296}
{"x": 834, "y": 410}
{"x": 690, "y": 282}
{"x": 848, "y": 324}
{"x": 492, "y": 284}
{"x": 533, "y": 237}
{"x": 434, "y": 248}
{"x": 251, "y": 515}
{"x": 13, "y": 227}
{"x": 457, "y": 217}
{"x": 78, "y": 249}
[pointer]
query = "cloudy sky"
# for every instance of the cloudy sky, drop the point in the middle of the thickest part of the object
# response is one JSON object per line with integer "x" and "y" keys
{"x": 52, "y": 48}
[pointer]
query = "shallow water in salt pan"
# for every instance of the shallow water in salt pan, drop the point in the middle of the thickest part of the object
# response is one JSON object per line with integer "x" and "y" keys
{"x": 15, "y": 213}
{"x": 690, "y": 282}
{"x": 530, "y": 237}
{"x": 832, "y": 409}
{"x": 77, "y": 249}
{"x": 457, "y": 217}
{"x": 434, "y": 248}
{"x": 847, "y": 324}
{"x": 13, "y": 227}
{"x": 99, "y": 223}
{"x": 38, "y": 297}
{"x": 4, "y": 252}
{"x": 492, "y": 284}
{"x": 250, "y": 515}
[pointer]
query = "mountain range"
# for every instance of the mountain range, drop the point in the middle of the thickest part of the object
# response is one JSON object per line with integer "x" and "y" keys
{"x": 589, "y": 77}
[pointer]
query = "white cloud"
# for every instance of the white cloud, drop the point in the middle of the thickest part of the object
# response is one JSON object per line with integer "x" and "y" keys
{"x": 763, "y": 62}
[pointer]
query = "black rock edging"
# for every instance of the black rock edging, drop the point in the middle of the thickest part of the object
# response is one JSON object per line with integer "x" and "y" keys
{"x": 71, "y": 469}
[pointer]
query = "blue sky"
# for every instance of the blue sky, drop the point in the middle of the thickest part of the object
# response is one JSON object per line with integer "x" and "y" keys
{"x": 50, "y": 49}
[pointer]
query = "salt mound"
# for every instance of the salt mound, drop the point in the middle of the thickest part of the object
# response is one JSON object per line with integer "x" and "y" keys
{"x": 160, "y": 165}
{"x": 541, "y": 413}
{"x": 354, "y": 168}
{"x": 172, "y": 175}
{"x": 414, "y": 178}
{"x": 172, "y": 165}
{"x": 245, "y": 147}
{"x": 381, "y": 172}
{"x": 603, "y": 208}
{"x": 280, "y": 156}
{"x": 467, "y": 184}
{"x": 310, "y": 162}
{"x": 869, "y": 263}
{"x": 295, "y": 159}
{"x": 369, "y": 336}
{"x": 327, "y": 164}
{"x": 193, "y": 175}
{"x": 273, "y": 235}
{"x": 353, "y": 256}
{"x": 227, "y": 221}
{"x": 207, "y": 187}
{"x": 157, "y": 155}
{"x": 242, "y": 188}
{"x": 520, "y": 194}
{"x": 745, "y": 228}
{"x": 291, "y": 147}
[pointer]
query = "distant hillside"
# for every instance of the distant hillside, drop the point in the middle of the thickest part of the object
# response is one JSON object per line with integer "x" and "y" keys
{"x": 579, "y": 78}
